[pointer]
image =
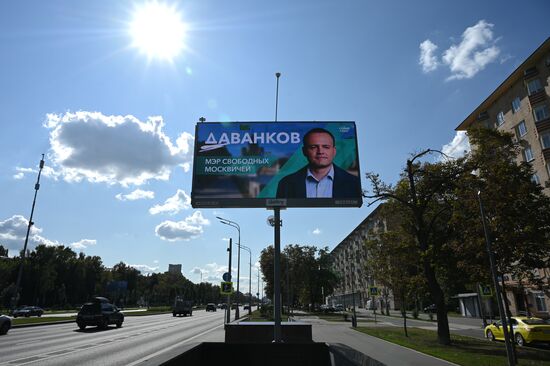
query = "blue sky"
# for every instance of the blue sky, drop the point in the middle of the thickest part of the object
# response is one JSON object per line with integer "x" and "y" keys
{"x": 117, "y": 124}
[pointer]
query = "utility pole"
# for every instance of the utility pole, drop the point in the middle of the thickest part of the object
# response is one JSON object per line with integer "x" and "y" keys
{"x": 15, "y": 298}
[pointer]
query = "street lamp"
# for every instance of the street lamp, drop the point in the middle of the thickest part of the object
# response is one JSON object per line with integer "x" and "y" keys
{"x": 249, "y": 278}
{"x": 15, "y": 297}
{"x": 503, "y": 319}
{"x": 236, "y": 226}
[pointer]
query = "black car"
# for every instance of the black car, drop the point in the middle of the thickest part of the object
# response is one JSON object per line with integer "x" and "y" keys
{"x": 430, "y": 308}
{"x": 211, "y": 307}
{"x": 5, "y": 324}
{"x": 99, "y": 313}
{"x": 27, "y": 311}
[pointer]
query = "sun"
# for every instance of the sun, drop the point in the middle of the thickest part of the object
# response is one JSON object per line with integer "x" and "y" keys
{"x": 158, "y": 31}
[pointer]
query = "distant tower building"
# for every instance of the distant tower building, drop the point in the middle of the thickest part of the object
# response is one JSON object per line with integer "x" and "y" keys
{"x": 174, "y": 268}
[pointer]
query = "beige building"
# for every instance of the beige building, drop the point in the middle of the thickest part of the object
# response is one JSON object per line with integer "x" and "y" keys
{"x": 521, "y": 105}
{"x": 349, "y": 263}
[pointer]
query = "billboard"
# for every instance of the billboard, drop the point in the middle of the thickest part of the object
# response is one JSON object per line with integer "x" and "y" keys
{"x": 266, "y": 164}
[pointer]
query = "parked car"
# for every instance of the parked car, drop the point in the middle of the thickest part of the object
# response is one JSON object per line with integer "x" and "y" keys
{"x": 246, "y": 307}
{"x": 27, "y": 311}
{"x": 430, "y": 308}
{"x": 211, "y": 307}
{"x": 526, "y": 330}
{"x": 339, "y": 307}
{"x": 222, "y": 305}
{"x": 5, "y": 324}
{"x": 101, "y": 313}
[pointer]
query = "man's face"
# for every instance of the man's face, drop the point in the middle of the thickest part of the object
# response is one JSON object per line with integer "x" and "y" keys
{"x": 319, "y": 150}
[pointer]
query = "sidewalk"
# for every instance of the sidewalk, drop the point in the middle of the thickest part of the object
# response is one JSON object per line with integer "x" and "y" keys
{"x": 388, "y": 353}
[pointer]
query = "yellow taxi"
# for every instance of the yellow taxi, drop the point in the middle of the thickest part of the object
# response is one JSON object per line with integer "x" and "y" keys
{"x": 526, "y": 330}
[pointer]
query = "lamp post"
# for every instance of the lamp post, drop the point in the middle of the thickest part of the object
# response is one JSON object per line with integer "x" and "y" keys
{"x": 236, "y": 226}
{"x": 249, "y": 278}
{"x": 509, "y": 350}
{"x": 15, "y": 297}
{"x": 228, "y": 312}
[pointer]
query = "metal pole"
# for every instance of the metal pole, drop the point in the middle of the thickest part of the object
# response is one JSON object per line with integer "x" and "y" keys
{"x": 250, "y": 283}
{"x": 277, "y": 277}
{"x": 509, "y": 351}
{"x": 228, "y": 310}
{"x": 354, "y": 318}
{"x": 278, "y": 75}
{"x": 249, "y": 278}
{"x": 236, "y": 226}
{"x": 238, "y": 273}
{"x": 15, "y": 298}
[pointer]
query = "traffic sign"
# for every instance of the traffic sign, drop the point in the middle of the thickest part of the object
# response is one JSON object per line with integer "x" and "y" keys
{"x": 373, "y": 291}
{"x": 226, "y": 288}
{"x": 485, "y": 290}
{"x": 226, "y": 276}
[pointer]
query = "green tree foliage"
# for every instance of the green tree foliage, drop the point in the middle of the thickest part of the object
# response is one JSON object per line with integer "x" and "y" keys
{"x": 309, "y": 274}
{"x": 517, "y": 211}
{"x": 56, "y": 277}
{"x": 423, "y": 203}
{"x": 393, "y": 260}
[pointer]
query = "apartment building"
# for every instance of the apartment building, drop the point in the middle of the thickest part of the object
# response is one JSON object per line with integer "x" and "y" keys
{"x": 349, "y": 263}
{"x": 521, "y": 105}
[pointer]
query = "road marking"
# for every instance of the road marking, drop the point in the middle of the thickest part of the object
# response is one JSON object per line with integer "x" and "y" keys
{"x": 173, "y": 346}
{"x": 44, "y": 356}
{"x": 28, "y": 359}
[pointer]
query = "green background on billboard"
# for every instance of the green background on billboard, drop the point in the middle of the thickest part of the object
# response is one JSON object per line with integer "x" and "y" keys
{"x": 345, "y": 157}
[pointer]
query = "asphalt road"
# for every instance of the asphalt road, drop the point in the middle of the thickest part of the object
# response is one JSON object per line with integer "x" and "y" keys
{"x": 139, "y": 338}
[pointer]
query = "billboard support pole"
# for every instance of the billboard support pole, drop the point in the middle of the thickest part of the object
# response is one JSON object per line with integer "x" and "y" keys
{"x": 277, "y": 276}
{"x": 228, "y": 309}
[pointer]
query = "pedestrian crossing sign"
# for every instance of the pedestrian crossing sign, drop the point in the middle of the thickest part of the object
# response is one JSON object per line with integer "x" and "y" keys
{"x": 373, "y": 291}
{"x": 485, "y": 290}
{"x": 226, "y": 288}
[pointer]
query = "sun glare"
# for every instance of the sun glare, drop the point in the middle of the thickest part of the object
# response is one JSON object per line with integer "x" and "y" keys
{"x": 158, "y": 31}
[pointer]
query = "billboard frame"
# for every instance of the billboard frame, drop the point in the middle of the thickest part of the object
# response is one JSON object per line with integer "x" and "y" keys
{"x": 270, "y": 203}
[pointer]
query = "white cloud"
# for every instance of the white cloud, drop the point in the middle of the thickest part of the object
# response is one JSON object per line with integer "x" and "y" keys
{"x": 476, "y": 50}
{"x": 317, "y": 231}
{"x": 173, "y": 205}
{"x": 459, "y": 146}
{"x": 196, "y": 270}
{"x": 83, "y": 244}
{"x": 113, "y": 149}
{"x": 144, "y": 269}
{"x": 14, "y": 230}
{"x": 213, "y": 272}
{"x": 138, "y": 194}
{"x": 189, "y": 228}
{"x": 22, "y": 171}
{"x": 427, "y": 59}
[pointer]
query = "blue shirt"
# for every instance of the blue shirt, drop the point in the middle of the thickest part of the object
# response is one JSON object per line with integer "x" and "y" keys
{"x": 319, "y": 188}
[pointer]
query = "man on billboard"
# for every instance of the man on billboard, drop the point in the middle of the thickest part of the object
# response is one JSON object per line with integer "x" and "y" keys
{"x": 321, "y": 178}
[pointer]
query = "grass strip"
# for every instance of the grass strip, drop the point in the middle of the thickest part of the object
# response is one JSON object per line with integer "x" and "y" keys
{"x": 43, "y": 319}
{"x": 463, "y": 350}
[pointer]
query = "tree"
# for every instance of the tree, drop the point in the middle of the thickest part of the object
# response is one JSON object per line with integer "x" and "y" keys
{"x": 516, "y": 209}
{"x": 423, "y": 195}
{"x": 393, "y": 260}
{"x": 308, "y": 269}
